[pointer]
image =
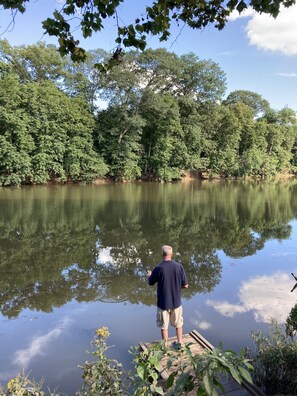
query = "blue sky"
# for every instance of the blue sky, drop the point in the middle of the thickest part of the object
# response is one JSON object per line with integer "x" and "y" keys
{"x": 257, "y": 52}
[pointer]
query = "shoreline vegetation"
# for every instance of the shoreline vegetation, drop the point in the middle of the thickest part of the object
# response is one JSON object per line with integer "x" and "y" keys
{"x": 187, "y": 177}
{"x": 154, "y": 116}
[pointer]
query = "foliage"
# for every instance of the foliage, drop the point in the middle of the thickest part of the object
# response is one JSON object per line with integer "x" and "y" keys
{"x": 156, "y": 19}
{"x": 188, "y": 372}
{"x": 275, "y": 361}
{"x": 118, "y": 136}
{"x": 21, "y": 385}
{"x": 147, "y": 364}
{"x": 291, "y": 322}
{"x": 164, "y": 118}
{"x": 104, "y": 376}
{"x": 254, "y": 101}
{"x": 45, "y": 135}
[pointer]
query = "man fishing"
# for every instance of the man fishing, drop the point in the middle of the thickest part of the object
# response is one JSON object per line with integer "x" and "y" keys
{"x": 171, "y": 278}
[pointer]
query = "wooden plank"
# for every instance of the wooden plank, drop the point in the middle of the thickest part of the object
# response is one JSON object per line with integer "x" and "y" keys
{"x": 201, "y": 340}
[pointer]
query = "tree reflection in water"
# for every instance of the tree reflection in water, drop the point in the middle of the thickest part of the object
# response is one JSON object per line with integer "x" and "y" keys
{"x": 97, "y": 242}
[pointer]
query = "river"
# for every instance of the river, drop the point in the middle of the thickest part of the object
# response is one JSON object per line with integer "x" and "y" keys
{"x": 74, "y": 258}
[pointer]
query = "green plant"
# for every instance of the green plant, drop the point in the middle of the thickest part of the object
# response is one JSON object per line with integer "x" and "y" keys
{"x": 103, "y": 376}
{"x": 291, "y": 322}
{"x": 21, "y": 385}
{"x": 204, "y": 372}
{"x": 188, "y": 372}
{"x": 275, "y": 361}
{"x": 144, "y": 379}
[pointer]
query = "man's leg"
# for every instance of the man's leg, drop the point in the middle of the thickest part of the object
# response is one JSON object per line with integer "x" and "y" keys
{"x": 164, "y": 334}
{"x": 177, "y": 322}
{"x": 162, "y": 322}
{"x": 179, "y": 334}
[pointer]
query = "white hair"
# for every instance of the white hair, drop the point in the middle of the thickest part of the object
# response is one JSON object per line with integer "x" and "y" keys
{"x": 166, "y": 250}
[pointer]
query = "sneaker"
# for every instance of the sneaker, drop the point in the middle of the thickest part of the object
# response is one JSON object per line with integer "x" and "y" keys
{"x": 176, "y": 345}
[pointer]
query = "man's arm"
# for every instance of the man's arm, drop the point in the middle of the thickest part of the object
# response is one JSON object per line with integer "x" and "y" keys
{"x": 152, "y": 276}
{"x": 185, "y": 283}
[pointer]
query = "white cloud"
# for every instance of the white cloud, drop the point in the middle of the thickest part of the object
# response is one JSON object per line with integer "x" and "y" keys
{"x": 271, "y": 34}
{"x": 266, "y": 296}
{"x": 37, "y": 347}
{"x": 200, "y": 324}
{"x": 225, "y": 308}
{"x": 204, "y": 325}
{"x": 274, "y": 34}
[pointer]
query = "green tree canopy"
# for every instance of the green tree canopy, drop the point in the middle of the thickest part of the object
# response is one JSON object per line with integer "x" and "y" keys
{"x": 259, "y": 105}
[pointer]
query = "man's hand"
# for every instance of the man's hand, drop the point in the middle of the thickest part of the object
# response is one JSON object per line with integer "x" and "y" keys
{"x": 148, "y": 273}
{"x": 185, "y": 286}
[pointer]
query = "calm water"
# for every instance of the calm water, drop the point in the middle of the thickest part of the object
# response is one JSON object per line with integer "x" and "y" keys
{"x": 73, "y": 259}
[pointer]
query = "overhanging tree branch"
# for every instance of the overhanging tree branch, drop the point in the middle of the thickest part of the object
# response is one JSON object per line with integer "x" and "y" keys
{"x": 156, "y": 20}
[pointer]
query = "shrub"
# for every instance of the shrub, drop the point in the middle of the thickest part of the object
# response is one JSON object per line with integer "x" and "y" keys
{"x": 275, "y": 361}
{"x": 291, "y": 322}
{"x": 188, "y": 372}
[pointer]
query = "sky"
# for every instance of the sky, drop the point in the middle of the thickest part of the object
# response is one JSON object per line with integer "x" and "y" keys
{"x": 257, "y": 52}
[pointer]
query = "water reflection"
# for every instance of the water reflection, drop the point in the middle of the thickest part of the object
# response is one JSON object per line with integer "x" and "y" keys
{"x": 267, "y": 297}
{"x": 38, "y": 346}
{"x": 96, "y": 243}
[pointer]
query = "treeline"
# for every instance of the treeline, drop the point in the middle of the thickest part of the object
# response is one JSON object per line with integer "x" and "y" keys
{"x": 164, "y": 115}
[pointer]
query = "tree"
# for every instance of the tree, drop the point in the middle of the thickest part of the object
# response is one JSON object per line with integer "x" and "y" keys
{"x": 83, "y": 79}
{"x": 16, "y": 144}
{"x": 152, "y": 126}
{"x": 224, "y": 157}
{"x": 156, "y": 19}
{"x": 37, "y": 62}
{"x": 44, "y": 134}
{"x": 253, "y": 100}
{"x": 162, "y": 71}
{"x": 163, "y": 137}
{"x": 117, "y": 137}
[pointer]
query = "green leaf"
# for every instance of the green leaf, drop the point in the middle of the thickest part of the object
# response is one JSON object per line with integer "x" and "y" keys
{"x": 170, "y": 380}
{"x": 58, "y": 16}
{"x": 241, "y": 6}
{"x": 235, "y": 374}
{"x": 245, "y": 374}
{"x": 201, "y": 392}
{"x": 156, "y": 389}
{"x": 218, "y": 384}
{"x": 208, "y": 383}
{"x": 141, "y": 371}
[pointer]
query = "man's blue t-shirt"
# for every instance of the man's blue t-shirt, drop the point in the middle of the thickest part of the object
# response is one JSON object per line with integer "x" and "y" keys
{"x": 171, "y": 277}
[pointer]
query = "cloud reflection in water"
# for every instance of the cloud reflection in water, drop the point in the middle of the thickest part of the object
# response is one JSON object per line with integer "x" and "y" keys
{"x": 38, "y": 345}
{"x": 266, "y": 296}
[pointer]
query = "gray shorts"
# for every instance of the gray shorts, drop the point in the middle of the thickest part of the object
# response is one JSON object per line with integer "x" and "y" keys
{"x": 174, "y": 316}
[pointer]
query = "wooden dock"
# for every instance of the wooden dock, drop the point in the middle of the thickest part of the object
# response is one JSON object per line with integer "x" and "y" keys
{"x": 199, "y": 345}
